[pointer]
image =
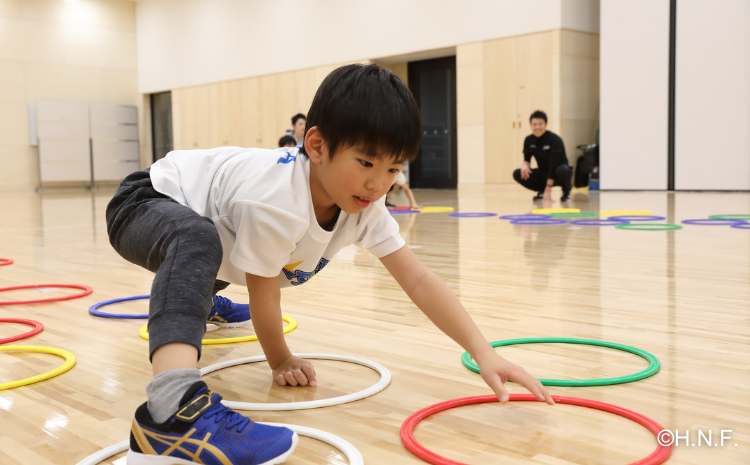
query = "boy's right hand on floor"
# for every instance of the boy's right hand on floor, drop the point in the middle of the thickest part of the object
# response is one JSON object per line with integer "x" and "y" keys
{"x": 495, "y": 371}
{"x": 295, "y": 371}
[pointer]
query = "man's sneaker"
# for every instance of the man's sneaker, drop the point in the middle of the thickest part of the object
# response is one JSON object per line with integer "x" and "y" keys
{"x": 565, "y": 197}
{"x": 539, "y": 196}
{"x": 228, "y": 314}
{"x": 204, "y": 431}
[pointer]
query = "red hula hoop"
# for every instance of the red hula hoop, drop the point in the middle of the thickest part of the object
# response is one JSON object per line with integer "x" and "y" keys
{"x": 86, "y": 291}
{"x": 5, "y": 261}
{"x": 407, "y": 429}
{"x": 38, "y": 327}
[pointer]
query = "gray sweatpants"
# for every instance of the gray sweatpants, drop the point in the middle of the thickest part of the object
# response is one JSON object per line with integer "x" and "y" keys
{"x": 184, "y": 250}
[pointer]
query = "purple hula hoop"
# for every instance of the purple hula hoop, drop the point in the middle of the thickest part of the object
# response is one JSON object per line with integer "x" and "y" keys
{"x": 741, "y": 225}
{"x": 637, "y": 218}
{"x": 539, "y": 221}
{"x": 716, "y": 222}
{"x": 94, "y": 309}
{"x": 404, "y": 212}
{"x": 609, "y": 222}
{"x": 472, "y": 215}
{"x": 527, "y": 216}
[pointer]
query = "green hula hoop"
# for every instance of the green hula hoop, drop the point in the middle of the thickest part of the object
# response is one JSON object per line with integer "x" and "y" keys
{"x": 649, "y": 226}
{"x": 730, "y": 217}
{"x": 652, "y": 369}
{"x": 573, "y": 215}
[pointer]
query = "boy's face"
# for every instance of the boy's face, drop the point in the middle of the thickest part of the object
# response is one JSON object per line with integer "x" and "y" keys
{"x": 354, "y": 179}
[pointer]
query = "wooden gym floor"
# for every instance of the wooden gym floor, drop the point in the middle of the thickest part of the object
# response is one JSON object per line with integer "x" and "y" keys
{"x": 682, "y": 295}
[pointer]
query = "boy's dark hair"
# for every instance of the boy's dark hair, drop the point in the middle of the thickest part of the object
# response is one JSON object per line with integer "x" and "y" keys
{"x": 539, "y": 114}
{"x": 287, "y": 140}
{"x": 297, "y": 117}
{"x": 370, "y": 107}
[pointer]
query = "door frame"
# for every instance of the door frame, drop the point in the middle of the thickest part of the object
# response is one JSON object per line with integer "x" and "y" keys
{"x": 415, "y": 67}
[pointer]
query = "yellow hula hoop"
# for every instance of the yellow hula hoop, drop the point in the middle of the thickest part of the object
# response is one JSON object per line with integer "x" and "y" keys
{"x": 70, "y": 361}
{"x": 544, "y": 211}
{"x": 625, "y": 212}
{"x": 231, "y": 340}
{"x": 436, "y": 209}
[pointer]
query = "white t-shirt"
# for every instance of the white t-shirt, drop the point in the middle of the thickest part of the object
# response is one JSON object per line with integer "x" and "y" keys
{"x": 261, "y": 205}
{"x": 400, "y": 179}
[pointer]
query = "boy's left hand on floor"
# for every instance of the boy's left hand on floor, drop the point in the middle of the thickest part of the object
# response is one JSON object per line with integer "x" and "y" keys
{"x": 496, "y": 371}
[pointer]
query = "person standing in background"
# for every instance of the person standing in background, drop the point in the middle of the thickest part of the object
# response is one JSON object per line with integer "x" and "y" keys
{"x": 549, "y": 151}
{"x": 298, "y": 128}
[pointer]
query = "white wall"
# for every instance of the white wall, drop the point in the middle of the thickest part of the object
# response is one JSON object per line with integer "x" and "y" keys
{"x": 712, "y": 121}
{"x": 56, "y": 51}
{"x": 189, "y": 42}
{"x": 634, "y": 94}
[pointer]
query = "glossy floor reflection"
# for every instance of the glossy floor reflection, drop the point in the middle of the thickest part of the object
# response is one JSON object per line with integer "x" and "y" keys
{"x": 682, "y": 295}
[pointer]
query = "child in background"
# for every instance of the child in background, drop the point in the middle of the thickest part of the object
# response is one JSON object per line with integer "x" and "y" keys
{"x": 287, "y": 141}
{"x": 400, "y": 183}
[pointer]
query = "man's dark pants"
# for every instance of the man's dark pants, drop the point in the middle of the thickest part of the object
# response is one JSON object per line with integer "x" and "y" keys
{"x": 537, "y": 180}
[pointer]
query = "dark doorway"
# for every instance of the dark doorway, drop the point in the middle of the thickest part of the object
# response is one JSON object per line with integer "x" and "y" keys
{"x": 433, "y": 83}
{"x": 161, "y": 124}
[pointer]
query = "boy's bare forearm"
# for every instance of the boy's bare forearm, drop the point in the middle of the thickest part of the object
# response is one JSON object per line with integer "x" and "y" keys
{"x": 438, "y": 302}
{"x": 265, "y": 313}
{"x": 441, "y": 305}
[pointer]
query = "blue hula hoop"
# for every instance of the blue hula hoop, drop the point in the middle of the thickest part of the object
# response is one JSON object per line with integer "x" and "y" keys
{"x": 94, "y": 309}
{"x": 527, "y": 216}
{"x": 713, "y": 222}
{"x": 404, "y": 212}
{"x": 539, "y": 221}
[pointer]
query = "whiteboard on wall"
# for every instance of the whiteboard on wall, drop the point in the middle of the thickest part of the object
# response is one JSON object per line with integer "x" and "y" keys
{"x": 85, "y": 144}
{"x": 63, "y": 133}
{"x": 634, "y": 93}
{"x": 712, "y": 101}
{"x": 114, "y": 142}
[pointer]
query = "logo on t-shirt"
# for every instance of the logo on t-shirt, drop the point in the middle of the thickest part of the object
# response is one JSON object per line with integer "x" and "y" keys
{"x": 545, "y": 147}
{"x": 289, "y": 158}
{"x": 298, "y": 277}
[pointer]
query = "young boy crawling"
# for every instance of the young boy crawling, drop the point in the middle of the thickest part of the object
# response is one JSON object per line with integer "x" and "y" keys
{"x": 201, "y": 219}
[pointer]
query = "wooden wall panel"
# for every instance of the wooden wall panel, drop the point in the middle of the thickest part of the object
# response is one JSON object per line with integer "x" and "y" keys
{"x": 234, "y": 109}
{"x": 249, "y": 103}
{"x": 500, "y": 110}
{"x": 202, "y": 119}
{"x": 521, "y": 75}
{"x": 218, "y": 114}
{"x": 286, "y": 103}
{"x": 251, "y": 112}
{"x": 470, "y": 113}
{"x": 267, "y": 112}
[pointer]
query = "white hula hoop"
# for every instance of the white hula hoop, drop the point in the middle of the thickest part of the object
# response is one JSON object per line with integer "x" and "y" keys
{"x": 351, "y": 452}
{"x": 385, "y": 380}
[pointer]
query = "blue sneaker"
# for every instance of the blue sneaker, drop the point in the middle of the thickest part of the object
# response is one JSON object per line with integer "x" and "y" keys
{"x": 228, "y": 314}
{"x": 204, "y": 431}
